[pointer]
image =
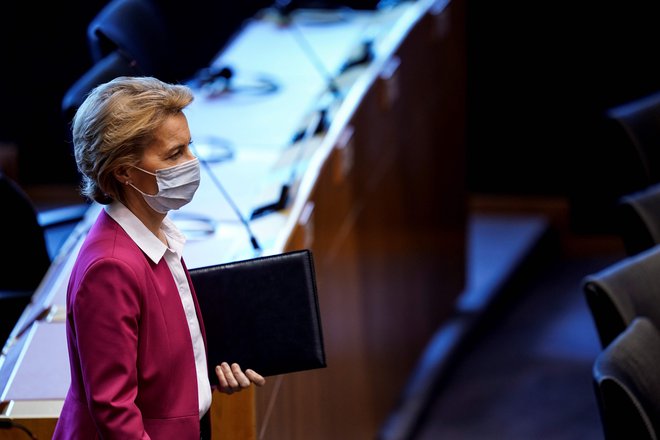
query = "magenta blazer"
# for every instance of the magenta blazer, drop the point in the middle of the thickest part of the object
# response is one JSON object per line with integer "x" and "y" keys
{"x": 131, "y": 355}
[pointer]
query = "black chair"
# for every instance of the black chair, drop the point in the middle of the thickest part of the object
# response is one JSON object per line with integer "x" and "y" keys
{"x": 25, "y": 260}
{"x": 136, "y": 29}
{"x": 165, "y": 39}
{"x": 640, "y": 119}
{"x": 111, "y": 66}
{"x": 33, "y": 239}
{"x": 627, "y": 383}
{"x": 638, "y": 216}
{"x": 623, "y": 291}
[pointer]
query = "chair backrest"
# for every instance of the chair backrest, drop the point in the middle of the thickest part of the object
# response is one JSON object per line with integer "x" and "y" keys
{"x": 622, "y": 291}
{"x": 138, "y": 30}
{"x": 25, "y": 259}
{"x": 639, "y": 219}
{"x": 627, "y": 383}
{"x": 111, "y": 66}
{"x": 641, "y": 121}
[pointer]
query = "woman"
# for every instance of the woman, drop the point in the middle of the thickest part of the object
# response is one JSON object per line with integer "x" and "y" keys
{"x": 134, "y": 331}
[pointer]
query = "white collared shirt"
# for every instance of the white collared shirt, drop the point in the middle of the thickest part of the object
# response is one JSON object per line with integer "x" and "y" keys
{"x": 155, "y": 250}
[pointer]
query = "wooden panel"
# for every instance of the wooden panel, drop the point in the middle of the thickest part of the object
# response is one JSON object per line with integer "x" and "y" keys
{"x": 332, "y": 402}
{"x": 386, "y": 222}
{"x": 233, "y": 416}
{"x": 41, "y": 428}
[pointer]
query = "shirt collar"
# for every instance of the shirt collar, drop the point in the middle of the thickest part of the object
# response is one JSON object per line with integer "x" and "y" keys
{"x": 143, "y": 237}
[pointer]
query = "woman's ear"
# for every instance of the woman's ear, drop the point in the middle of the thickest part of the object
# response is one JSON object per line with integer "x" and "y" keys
{"x": 122, "y": 175}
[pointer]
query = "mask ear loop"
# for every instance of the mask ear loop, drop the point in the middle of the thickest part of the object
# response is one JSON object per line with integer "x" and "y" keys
{"x": 144, "y": 171}
{"x": 128, "y": 181}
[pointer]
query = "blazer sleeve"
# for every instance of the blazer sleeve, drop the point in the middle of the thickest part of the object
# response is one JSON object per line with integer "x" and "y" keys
{"x": 106, "y": 313}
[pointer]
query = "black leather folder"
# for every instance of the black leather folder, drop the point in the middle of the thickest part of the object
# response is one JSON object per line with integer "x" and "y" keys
{"x": 262, "y": 313}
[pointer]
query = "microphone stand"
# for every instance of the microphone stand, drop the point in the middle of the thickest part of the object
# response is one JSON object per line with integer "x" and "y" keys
{"x": 318, "y": 124}
{"x": 221, "y": 188}
{"x": 285, "y": 191}
{"x": 284, "y": 9}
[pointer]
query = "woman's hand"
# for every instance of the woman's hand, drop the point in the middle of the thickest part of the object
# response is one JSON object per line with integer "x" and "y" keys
{"x": 233, "y": 379}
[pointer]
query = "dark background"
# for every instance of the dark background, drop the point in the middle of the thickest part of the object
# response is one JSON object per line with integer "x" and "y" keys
{"x": 540, "y": 77}
{"x": 44, "y": 49}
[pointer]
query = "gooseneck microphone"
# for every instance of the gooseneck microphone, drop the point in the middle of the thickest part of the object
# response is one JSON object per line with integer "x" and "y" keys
{"x": 285, "y": 191}
{"x": 318, "y": 123}
{"x": 284, "y": 8}
{"x": 365, "y": 56}
{"x": 230, "y": 200}
{"x": 218, "y": 80}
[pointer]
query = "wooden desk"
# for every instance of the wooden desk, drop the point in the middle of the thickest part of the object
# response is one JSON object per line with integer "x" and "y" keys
{"x": 380, "y": 199}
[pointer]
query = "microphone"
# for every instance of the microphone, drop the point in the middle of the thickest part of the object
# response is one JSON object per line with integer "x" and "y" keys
{"x": 278, "y": 205}
{"x": 215, "y": 81}
{"x": 209, "y": 75}
{"x": 364, "y": 56}
{"x": 320, "y": 123}
{"x": 221, "y": 188}
{"x": 312, "y": 129}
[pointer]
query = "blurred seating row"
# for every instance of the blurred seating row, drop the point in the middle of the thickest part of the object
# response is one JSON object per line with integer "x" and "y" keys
{"x": 624, "y": 297}
{"x": 638, "y": 219}
{"x": 624, "y": 301}
{"x": 627, "y": 383}
{"x": 638, "y": 210}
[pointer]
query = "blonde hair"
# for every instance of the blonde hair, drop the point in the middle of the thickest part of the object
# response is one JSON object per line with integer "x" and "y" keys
{"x": 114, "y": 125}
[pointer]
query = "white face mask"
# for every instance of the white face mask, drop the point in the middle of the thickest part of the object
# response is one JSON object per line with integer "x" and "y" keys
{"x": 176, "y": 186}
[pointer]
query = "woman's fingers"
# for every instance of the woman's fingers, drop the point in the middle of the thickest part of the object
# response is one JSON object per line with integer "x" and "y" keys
{"x": 239, "y": 376}
{"x": 233, "y": 379}
{"x": 255, "y": 377}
